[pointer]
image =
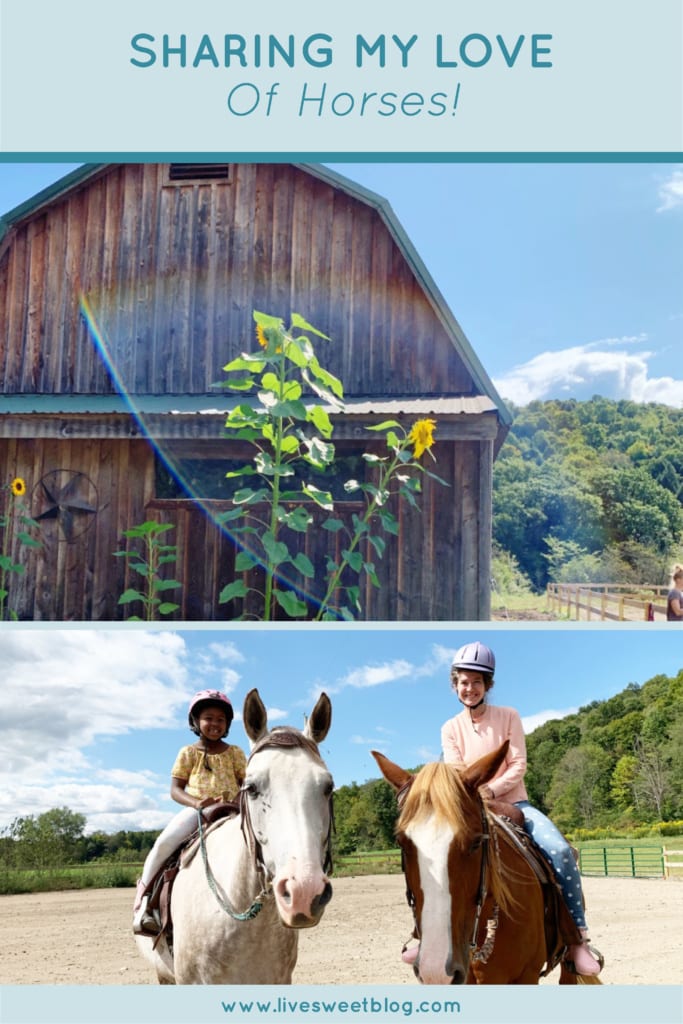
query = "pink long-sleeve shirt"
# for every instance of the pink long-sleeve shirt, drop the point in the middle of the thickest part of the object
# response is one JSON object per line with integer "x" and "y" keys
{"x": 465, "y": 741}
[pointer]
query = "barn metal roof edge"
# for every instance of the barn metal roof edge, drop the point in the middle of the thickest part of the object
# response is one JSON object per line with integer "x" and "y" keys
{"x": 378, "y": 202}
{"x": 218, "y": 405}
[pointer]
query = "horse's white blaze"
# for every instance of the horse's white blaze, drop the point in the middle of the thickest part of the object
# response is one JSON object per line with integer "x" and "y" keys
{"x": 432, "y": 842}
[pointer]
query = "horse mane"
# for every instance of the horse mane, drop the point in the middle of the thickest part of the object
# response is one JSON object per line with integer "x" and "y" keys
{"x": 438, "y": 791}
{"x": 286, "y": 736}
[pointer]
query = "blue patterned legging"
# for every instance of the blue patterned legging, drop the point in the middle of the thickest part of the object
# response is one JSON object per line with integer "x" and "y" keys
{"x": 558, "y": 853}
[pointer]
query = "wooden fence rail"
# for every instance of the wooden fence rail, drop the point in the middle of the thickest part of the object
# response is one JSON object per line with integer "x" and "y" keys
{"x": 616, "y": 602}
{"x": 669, "y": 863}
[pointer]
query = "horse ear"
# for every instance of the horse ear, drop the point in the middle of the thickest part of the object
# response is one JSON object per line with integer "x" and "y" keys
{"x": 318, "y": 724}
{"x": 395, "y": 776}
{"x": 254, "y": 716}
{"x": 479, "y": 773}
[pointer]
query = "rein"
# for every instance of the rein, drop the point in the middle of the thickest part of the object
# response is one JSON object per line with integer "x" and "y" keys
{"x": 245, "y": 915}
{"x": 278, "y": 738}
{"x": 482, "y": 954}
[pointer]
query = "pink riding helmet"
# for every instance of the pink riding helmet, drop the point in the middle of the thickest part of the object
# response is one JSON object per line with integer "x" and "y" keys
{"x": 209, "y": 698}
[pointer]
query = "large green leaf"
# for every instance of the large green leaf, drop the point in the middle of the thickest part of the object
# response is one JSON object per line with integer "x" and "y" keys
{"x": 305, "y": 566}
{"x": 322, "y": 498}
{"x": 244, "y": 561}
{"x": 320, "y": 419}
{"x": 276, "y": 551}
{"x": 303, "y": 325}
{"x": 291, "y": 604}
{"x": 235, "y": 589}
{"x": 299, "y": 519}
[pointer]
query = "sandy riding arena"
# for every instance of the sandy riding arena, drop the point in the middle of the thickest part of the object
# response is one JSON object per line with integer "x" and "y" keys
{"x": 84, "y": 937}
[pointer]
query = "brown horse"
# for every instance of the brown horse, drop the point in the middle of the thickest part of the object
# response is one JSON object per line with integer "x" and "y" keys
{"x": 477, "y": 903}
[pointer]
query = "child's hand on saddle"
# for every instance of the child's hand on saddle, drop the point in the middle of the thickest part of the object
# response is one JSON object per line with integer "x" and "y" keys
{"x": 207, "y": 801}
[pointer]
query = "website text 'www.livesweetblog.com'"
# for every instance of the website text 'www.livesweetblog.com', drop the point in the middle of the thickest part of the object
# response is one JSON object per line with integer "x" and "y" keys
{"x": 367, "y": 1005}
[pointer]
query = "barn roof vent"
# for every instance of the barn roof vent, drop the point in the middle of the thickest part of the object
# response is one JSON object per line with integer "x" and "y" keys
{"x": 196, "y": 172}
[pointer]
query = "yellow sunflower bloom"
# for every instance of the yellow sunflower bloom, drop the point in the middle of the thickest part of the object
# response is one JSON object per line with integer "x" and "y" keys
{"x": 18, "y": 487}
{"x": 422, "y": 436}
{"x": 261, "y": 336}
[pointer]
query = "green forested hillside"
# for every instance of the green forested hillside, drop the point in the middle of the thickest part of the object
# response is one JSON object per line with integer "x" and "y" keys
{"x": 590, "y": 492}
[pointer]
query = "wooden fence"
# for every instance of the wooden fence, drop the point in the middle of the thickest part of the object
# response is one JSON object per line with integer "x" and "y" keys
{"x": 617, "y": 602}
{"x": 669, "y": 862}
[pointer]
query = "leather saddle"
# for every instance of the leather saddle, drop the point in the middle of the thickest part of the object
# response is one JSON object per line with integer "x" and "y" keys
{"x": 158, "y": 921}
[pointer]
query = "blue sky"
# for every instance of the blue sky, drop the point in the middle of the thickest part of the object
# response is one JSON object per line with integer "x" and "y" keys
{"x": 92, "y": 719}
{"x": 567, "y": 278}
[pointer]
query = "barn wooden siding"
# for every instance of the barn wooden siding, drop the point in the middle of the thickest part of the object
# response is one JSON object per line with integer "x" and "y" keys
{"x": 81, "y": 580}
{"x": 172, "y": 271}
{"x": 438, "y": 570}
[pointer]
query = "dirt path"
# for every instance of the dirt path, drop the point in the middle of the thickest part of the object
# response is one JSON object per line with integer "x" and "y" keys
{"x": 52, "y": 938}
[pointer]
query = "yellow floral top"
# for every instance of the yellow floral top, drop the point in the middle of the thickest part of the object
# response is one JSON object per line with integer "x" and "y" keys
{"x": 224, "y": 779}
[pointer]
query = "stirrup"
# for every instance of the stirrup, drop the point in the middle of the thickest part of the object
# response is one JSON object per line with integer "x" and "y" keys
{"x": 595, "y": 953}
{"x": 149, "y": 924}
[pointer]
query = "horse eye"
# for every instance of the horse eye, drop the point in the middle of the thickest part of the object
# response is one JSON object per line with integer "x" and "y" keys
{"x": 328, "y": 788}
{"x": 476, "y": 844}
{"x": 251, "y": 789}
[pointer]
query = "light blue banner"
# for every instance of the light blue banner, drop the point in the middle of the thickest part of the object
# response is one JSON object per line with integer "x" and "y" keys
{"x": 154, "y": 76}
{"x": 335, "y": 1004}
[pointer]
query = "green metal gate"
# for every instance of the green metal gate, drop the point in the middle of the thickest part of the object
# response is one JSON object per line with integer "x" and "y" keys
{"x": 629, "y": 861}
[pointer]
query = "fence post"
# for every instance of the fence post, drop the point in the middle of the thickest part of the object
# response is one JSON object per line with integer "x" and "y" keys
{"x": 604, "y": 860}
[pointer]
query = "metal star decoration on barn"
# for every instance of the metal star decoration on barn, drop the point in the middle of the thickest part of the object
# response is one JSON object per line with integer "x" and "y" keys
{"x": 69, "y": 498}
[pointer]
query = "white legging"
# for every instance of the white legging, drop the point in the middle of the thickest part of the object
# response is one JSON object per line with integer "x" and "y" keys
{"x": 179, "y": 828}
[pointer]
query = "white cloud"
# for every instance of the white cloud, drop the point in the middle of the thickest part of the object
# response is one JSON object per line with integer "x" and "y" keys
{"x": 367, "y": 676}
{"x": 603, "y": 367}
{"x": 376, "y": 675}
{"x": 671, "y": 192}
{"x": 531, "y": 722}
{"x": 66, "y": 691}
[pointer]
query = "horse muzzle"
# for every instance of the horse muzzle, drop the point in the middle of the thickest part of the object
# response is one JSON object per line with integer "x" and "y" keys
{"x": 301, "y": 901}
{"x": 431, "y": 971}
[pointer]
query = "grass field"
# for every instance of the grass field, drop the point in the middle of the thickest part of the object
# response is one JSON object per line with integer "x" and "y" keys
{"x": 616, "y": 857}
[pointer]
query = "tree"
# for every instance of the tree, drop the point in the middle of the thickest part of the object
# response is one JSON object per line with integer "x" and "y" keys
{"x": 580, "y": 788}
{"x": 49, "y": 840}
{"x": 652, "y": 778}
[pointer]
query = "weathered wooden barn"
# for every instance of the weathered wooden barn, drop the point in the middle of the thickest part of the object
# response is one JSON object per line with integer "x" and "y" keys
{"x": 126, "y": 288}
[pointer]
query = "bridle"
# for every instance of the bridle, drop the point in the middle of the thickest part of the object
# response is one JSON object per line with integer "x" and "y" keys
{"x": 479, "y": 954}
{"x": 279, "y": 738}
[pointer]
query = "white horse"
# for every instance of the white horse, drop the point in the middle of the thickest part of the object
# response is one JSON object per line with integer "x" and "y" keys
{"x": 236, "y": 909}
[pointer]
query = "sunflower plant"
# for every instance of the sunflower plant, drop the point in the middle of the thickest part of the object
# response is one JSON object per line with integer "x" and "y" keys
{"x": 396, "y": 473}
{"x": 292, "y": 439}
{"x": 16, "y": 523}
{"x": 146, "y": 559}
